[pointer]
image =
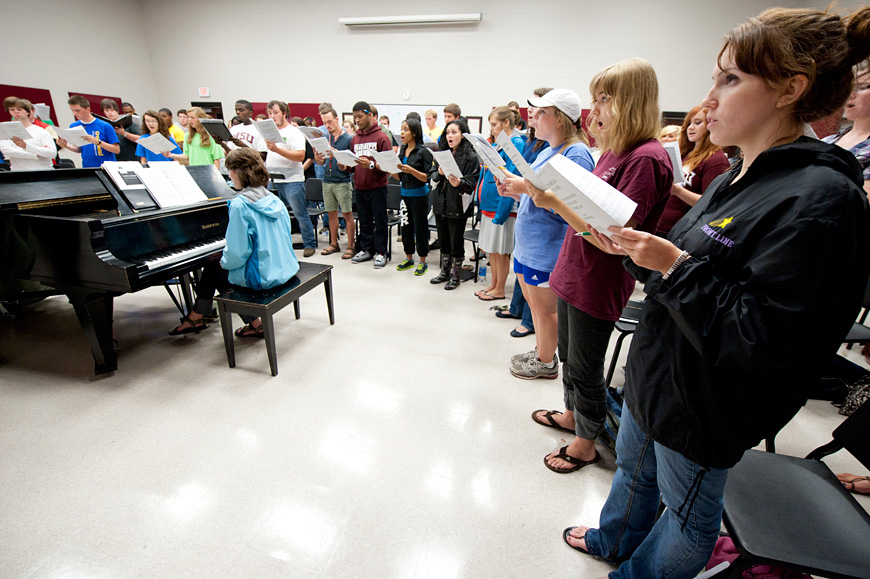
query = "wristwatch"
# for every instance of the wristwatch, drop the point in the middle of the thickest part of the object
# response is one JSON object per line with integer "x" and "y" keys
{"x": 677, "y": 263}
{"x": 371, "y": 164}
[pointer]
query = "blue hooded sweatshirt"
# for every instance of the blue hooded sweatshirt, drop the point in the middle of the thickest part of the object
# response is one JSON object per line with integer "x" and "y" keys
{"x": 259, "y": 252}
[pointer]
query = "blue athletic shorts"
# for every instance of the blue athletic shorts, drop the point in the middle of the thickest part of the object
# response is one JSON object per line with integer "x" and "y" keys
{"x": 532, "y": 276}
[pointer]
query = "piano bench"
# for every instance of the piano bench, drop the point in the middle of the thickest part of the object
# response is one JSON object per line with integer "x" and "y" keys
{"x": 265, "y": 304}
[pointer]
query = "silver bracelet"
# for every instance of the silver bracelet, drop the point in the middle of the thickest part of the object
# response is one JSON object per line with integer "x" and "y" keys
{"x": 677, "y": 263}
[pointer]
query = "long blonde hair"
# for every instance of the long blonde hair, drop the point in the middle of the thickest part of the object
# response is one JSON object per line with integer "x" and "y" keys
{"x": 635, "y": 115}
{"x": 204, "y": 137}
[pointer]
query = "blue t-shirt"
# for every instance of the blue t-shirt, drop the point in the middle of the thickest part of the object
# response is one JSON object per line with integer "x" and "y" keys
{"x": 93, "y": 156}
{"x": 152, "y": 157}
{"x": 539, "y": 232}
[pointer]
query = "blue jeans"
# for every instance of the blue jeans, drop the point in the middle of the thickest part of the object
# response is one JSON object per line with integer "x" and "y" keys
{"x": 293, "y": 196}
{"x": 681, "y": 541}
{"x": 520, "y": 308}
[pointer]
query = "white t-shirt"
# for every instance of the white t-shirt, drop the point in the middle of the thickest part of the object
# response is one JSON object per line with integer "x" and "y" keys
{"x": 294, "y": 140}
{"x": 249, "y": 135}
{"x": 38, "y": 154}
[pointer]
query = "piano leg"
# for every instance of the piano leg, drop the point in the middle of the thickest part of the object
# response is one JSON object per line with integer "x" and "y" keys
{"x": 94, "y": 311}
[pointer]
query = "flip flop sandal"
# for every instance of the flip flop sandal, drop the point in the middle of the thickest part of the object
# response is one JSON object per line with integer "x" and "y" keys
{"x": 249, "y": 331}
{"x": 330, "y": 250}
{"x": 850, "y": 485}
{"x": 194, "y": 328}
{"x": 347, "y": 254}
{"x": 576, "y": 462}
{"x": 548, "y": 416}
{"x": 567, "y": 532}
{"x": 488, "y": 297}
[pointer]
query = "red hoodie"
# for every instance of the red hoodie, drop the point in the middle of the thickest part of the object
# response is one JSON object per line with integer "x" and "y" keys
{"x": 372, "y": 140}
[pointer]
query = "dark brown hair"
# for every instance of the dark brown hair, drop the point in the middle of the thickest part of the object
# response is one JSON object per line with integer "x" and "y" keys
{"x": 781, "y": 43}
{"x": 248, "y": 165}
{"x": 161, "y": 126}
{"x": 109, "y": 104}
{"x": 453, "y": 109}
{"x": 79, "y": 100}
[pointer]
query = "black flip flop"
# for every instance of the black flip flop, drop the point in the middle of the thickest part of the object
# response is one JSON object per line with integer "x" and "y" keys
{"x": 576, "y": 462}
{"x": 548, "y": 414}
{"x": 195, "y": 327}
{"x": 565, "y": 534}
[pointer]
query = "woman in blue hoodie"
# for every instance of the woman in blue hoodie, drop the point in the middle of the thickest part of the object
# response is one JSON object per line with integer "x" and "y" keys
{"x": 498, "y": 214}
{"x": 259, "y": 251}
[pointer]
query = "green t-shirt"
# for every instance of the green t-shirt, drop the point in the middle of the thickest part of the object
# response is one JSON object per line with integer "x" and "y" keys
{"x": 199, "y": 155}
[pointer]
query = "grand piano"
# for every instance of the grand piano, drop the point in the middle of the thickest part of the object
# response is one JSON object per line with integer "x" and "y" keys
{"x": 87, "y": 240}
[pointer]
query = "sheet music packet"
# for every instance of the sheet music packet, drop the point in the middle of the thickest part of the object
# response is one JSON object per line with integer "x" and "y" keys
{"x": 312, "y": 133}
{"x": 124, "y": 175}
{"x": 388, "y": 161}
{"x": 170, "y": 185}
{"x": 269, "y": 131}
{"x": 157, "y": 144}
{"x": 321, "y": 145}
{"x": 488, "y": 155}
{"x": 447, "y": 163}
{"x": 521, "y": 164}
{"x": 11, "y": 129}
{"x": 596, "y": 201}
{"x": 43, "y": 111}
{"x": 123, "y": 121}
{"x": 345, "y": 158}
{"x": 217, "y": 128}
{"x": 673, "y": 149}
{"x": 74, "y": 136}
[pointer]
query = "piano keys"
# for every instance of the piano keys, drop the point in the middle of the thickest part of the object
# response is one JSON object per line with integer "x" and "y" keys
{"x": 92, "y": 245}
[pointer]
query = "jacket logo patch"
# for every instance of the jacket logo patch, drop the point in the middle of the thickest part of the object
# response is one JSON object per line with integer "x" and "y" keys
{"x": 714, "y": 235}
{"x": 721, "y": 223}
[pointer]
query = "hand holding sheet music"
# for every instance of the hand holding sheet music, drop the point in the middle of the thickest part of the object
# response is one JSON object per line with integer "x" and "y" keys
{"x": 345, "y": 158}
{"x": 269, "y": 131}
{"x": 593, "y": 199}
{"x": 312, "y": 133}
{"x": 321, "y": 145}
{"x": 447, "y": 163}
{"x": 488, "y": 155}
{"x": 12, "y": 129}
{"x": 157, "y": 144}
{"x": 73, "y": 136}
{"x": 388, "y": 161}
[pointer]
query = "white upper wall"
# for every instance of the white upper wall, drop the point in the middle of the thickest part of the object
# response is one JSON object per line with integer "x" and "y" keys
{"x": 157, "y": 53}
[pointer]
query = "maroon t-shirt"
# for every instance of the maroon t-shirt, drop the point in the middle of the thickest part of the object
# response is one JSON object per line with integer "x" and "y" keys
{"x": 697, "y": 181}
{"x": 596, "y": 282}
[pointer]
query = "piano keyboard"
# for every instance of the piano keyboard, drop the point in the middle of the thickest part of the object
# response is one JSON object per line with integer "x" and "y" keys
{"x": 179, "y": 254}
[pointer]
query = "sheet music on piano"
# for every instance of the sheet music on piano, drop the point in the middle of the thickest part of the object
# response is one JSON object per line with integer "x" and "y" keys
{"x": 170, "y": 185}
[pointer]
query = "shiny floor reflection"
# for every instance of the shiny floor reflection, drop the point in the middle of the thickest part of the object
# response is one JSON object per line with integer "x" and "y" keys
{"x": 394, "y": 444}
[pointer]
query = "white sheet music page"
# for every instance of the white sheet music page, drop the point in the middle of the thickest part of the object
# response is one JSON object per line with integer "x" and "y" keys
{"x": 123, "y": 173}
{"x": 312, "y": 133}
{"x": 157, "y": 143}
{"x": 269, "y": 131}
{"x": 171, "y": 185}
{"x": 593, "y": 199}
{"x": 11, "y": 129}
{"x": 387, "y": 160}
{"x": 447, "y": 163}
{"x": 321, "y": 145}
{"x": 673, "y": 149}
{"x": 74, "y": 136}
{"x": 345, "y": 158}
{"x": 488, "y": 155}
{"x": 504, "y": 141}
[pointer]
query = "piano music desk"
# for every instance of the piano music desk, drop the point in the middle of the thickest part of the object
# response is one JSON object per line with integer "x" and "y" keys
{"x": 265, "y": 304}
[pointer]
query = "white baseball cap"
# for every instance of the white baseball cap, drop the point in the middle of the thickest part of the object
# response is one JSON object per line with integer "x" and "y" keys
{"x": 564, "y": 99}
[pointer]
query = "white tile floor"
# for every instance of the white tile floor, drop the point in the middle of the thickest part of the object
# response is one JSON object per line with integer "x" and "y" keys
{"x": 393, "y": 444}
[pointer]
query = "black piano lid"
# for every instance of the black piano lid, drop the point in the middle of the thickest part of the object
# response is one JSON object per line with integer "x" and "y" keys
{"x": 26, "y": 187}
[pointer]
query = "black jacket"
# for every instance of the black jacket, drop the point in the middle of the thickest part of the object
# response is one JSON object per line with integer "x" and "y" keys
{"x": 419, "y": 159}
{"x": 448, "y": 199}
{"x": 729, "y": 345}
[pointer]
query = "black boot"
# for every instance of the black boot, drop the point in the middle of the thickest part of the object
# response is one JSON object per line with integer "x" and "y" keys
{"x": 454, "y": 277}
{"x": 445, "y": 270}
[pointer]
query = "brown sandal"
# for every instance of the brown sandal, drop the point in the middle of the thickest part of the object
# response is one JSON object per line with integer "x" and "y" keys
{"x": 347, "y": 254}
{"x": 249, "y": 331}
{"x": 331, "y": 249}
{"x": 195, "y": 327}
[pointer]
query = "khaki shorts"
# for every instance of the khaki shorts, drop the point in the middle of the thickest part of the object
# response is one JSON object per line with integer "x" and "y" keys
{"x": 338, "y": 195}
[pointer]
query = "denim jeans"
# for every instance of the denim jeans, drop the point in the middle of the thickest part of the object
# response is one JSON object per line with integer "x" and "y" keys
{"x": 520, "y": 308}
{"x": 583, "y": 341}
{"x": 293, "y": 196}
{"x": 681, "y": 541}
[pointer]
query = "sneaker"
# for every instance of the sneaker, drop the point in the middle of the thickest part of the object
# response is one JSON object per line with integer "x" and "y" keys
{"x": 380, "y": 261}
{"x": 361, "y": 257}
{"x": 309, "y": 251}
{"x": 421, "y": 268}
{"x": 534, "y": 368}
{"x": 525, "y": 357}
{"x": 406, "y": 264}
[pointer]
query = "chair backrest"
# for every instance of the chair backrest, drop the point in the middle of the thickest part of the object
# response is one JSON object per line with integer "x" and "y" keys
{"x": 314, "y": 190}
{"x": 394, "y": 196}
{"x": 854, "y": 434}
